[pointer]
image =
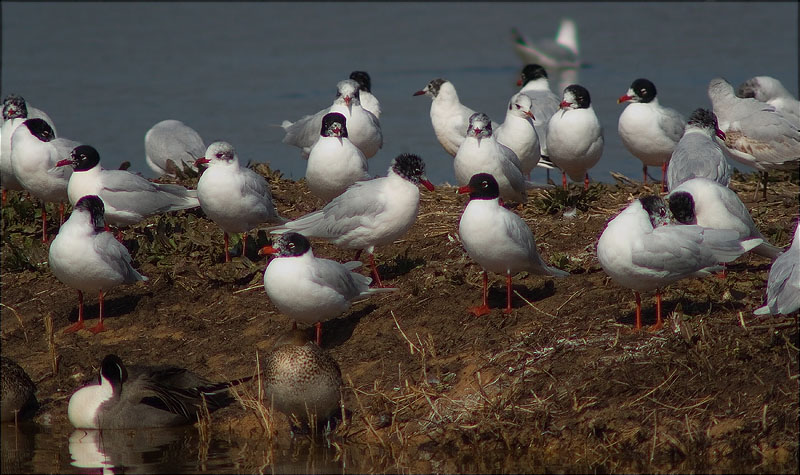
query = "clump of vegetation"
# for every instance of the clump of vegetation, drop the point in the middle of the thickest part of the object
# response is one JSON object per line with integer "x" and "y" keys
{"x": 556, "y": 200}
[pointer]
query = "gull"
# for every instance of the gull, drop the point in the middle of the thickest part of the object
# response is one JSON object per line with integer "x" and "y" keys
{"x": 368, "y": 100}
{"x": 756, "y": 134}
{"x": 449, "y": 117}
{"x": 649, "y": 130}
{"x": 308, "y": 288}
{"x": 89, "y": 259}
{"x": 302, "y": 380}
{"x": 236, "y": 198}
{"x": 575, "y": 136}
{"x": 369, "y": 213}
{"x": 172, "y": 141}
{"x": 497, "y": 239}
{"x": 697, "y": 154}
{"x": 641, "y": 250}
{"x": 544, "y": 102}
{"x": 138, "y": 397}
{"x": 364, "y": 127}
{"x": 334, "y": 162}
{"x": 35, "y": 153}
{"x": 783, "y": 283}
{"x": 15, "y": 112}
{"x": 770, "y": 90}
{"x": 707, "y": 203}
{"x": 128, "y": 198}
{"x": 555, "y": 54}
{"x": 481, "y": 153}
{"x": 518, "y": 133}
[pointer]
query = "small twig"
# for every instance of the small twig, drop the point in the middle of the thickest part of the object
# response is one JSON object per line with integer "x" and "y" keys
{"x": 19, "y": 319}
{"x": 570, "y": 298}
{"x": 249, "y": 288}
{"x": 534, "y": 306}
{"x": 411, "y": 345}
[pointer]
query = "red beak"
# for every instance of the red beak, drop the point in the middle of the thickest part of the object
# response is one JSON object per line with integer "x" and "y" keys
{"x": 565, "y": 104}
{"x": 519, "y": 82}
{"x": 64, "y": 163}
{"x": 267, "y": 251}
{"x": 419, "y": 93}
{"x": 347, "y": 100}
{"x": 530, "y": 114}
{"x": 464, "y": 189}
{"x": 720, "y": 134}
{"x": 201, "y": 160}
{"x": 427, "y": 184}
{"x": 624, "y": 98}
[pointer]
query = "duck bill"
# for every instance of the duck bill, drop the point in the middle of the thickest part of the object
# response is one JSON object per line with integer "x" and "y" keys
{"x": 462, "y": 190}
{"x": 426, "y": 184}
{"x": 624, "y": 98}
{"x": 64, "y": 163}
{"x": 267, "y": 251}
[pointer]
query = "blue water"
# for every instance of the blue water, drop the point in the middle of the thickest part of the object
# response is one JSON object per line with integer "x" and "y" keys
{"x": 106, "y": 72}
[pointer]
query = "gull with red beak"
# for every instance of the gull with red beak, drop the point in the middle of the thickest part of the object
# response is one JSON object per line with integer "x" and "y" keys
{"x": 310, "y": 289}
{"x": 497, "y": 239}
{"x": 649, "y": 130}
{"x": 235, "y": 197}
{"x": 334, "y": 162}
{"x": 369, "y": 213}
{"x": 364, "y": 128}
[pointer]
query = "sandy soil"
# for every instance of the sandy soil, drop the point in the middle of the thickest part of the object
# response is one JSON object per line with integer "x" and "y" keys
{"x": 561, "y": 384}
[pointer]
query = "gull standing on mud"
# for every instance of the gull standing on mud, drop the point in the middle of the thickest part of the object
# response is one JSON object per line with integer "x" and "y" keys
{"x": 575, "y": 136}
{"x": 138, "y": 397}
{"x": 756, "y": 134}
{"x": 172, "y": 141}
{"x": 128, "y": 198}
{"x": 481, "y": 153}
{"x": 308, "y": 288}
{"x": 783, "y": 283}
{"x": 641, "y": 250}
{"x": 497, "y": 239}
{"x": 697, "y": 154}
{"x": 649, "y": 130}
{"x": 35, "y": 154}
{"x": 236, "y": 198}
{"x": 364, "y": 128}
{"x": 302, "y": 380}
{"x": 518, "y": 133}
{"x": 449, "y": 117}
{"x": 334, "y": 162}
{"x": 89, "y": 259}
{"x": 370, "y": 213}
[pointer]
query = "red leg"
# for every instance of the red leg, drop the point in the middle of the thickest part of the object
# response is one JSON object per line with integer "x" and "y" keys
{"x": 227, "y": 254}
{"x": 659, "y": 321}
{"x": 638, "y": 325}
{"x": 586, "y": 181}
{"x": 724, "y": 273}
{"x": 44, "y": 224}
{"x": 318, "y": 333}
{"x": 79, "y": 324}
{"x": 375, "y": 271}
{"x": 508, "y": 294}
{"x": 664, "y": 177}
{"x": 564, "y": 179}
{"x": 483, "y": 309}
{"x": 99, "y": 327}
{"x": 644, "y": 172}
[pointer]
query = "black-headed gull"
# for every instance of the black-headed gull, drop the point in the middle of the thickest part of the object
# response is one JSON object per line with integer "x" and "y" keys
{"x": 449, "y": 117}
{"x": 311, "y": 289}
{"x": 138, "y": 397}
{"x": 649, "y": 130}
{"x": 518, "y": 133}
{"x": 172, "y": 140}
{"x": 235, "y": 197}
{"x": 642, "y": 250}
{"x": 706, "y": 203}
{"x": 302, "y": 380}
{"x": 698, "y": 154}
{"x": 481, "y": 153}
{"x": 770, "y": 90}
{"x": 35, "y": 153}
{"x": 89, "y": 259}
{"x": 128, "y": 197}
{"x": 364, "y": 128}
{"x": 15, "y": 112}
{"x": 575, "y": 136}
{"x": 544, "y": 102}
{"x": 368, "y": 100}
{"x": 756, "y": 134}
{"x": 560, "y": 53}
{"x": 334, "y": 162}
{"x": 18, "y": 399}
{"x": 497, "y": 239}
{"x": 783, "y": 283}
{"x": 369, "y": 213}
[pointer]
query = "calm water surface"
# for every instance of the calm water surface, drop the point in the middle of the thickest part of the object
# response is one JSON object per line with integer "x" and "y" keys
{"x": 106, "y": 72}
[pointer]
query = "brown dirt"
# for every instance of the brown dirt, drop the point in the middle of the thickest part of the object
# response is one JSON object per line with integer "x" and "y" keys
{"x": 561, "y": 384}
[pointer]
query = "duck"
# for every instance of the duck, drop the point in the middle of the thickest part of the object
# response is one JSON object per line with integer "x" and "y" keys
{"x": 17, "y": 392}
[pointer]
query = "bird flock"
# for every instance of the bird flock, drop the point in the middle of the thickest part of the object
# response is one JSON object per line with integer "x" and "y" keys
{"x": 693, "y": 230}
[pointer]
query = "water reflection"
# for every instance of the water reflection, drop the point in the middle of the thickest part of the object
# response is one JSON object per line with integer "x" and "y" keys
{"x": 17, "y": 446}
